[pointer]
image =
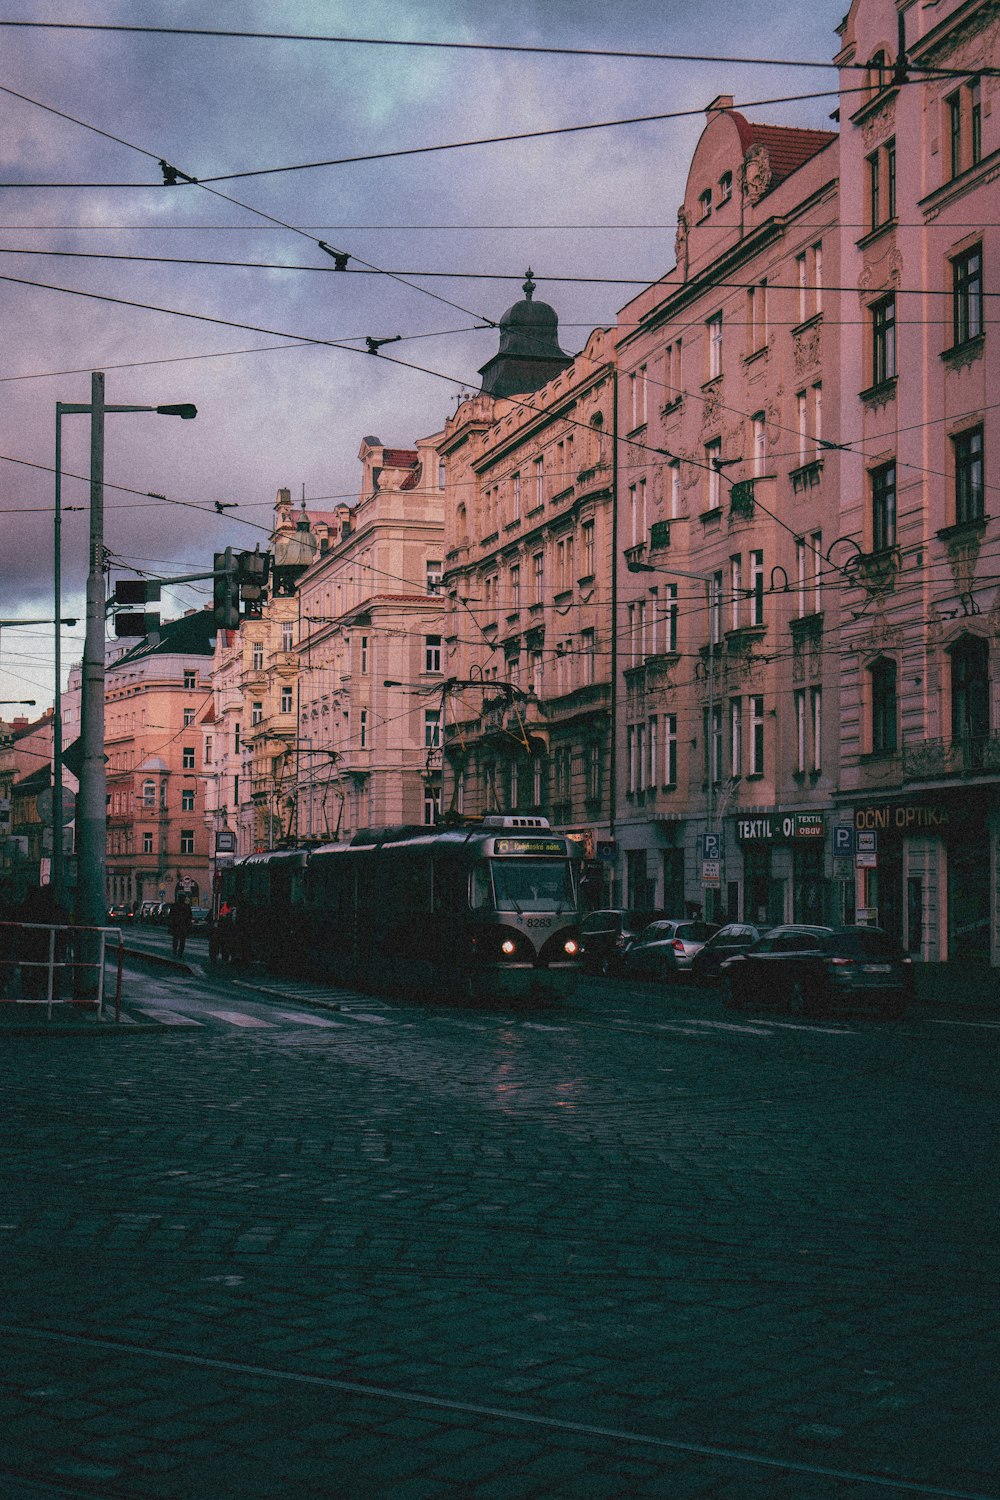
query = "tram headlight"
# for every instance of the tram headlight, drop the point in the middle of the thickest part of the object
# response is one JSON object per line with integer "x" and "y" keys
{"x": 509, "y": 947}
{"x": 572, "y": 947}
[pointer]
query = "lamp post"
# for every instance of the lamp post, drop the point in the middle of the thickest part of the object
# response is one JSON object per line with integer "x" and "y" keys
{"x": 706, "y": 578}
{"x": 91, "y": 803}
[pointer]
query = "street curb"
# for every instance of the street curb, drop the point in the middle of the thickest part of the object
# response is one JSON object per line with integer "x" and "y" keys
{"x": 161, "y": 960}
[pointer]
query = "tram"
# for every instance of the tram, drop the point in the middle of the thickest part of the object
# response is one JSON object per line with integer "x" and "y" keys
{"x": 479, "y": 911}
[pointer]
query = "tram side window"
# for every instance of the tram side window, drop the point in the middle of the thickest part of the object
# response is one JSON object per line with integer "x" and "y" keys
{"x": 450, "y": 886}
{"x": 480, "y": 887}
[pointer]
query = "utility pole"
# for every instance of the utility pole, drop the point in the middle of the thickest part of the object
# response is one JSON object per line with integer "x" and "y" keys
{"x": 91, "y": 802}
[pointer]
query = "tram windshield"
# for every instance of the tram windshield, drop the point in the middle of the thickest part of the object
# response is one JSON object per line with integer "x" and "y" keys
{"x": 533, "y": 885}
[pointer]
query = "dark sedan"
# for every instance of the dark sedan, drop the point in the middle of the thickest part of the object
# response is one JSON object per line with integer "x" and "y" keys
{"x": 807, "y": 969}
{"x": 735, "y": 937}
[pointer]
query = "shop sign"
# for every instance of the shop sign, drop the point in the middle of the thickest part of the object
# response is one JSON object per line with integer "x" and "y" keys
{"x": 781, "y": 828}
{"x": 585, "y": 838}
{"x": 904, "y": 817}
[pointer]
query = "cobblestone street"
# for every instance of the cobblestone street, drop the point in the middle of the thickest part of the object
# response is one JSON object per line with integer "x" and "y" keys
{"x": 625, "y": 1247}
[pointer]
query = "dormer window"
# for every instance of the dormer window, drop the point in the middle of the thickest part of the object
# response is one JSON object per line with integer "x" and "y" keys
{"x": 704, "y": 204}
{"x": 879, "y": 73}
{"x": 725, "y": 187}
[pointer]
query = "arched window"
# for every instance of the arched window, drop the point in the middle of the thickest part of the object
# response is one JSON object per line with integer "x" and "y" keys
{"x": 885, "y": 705}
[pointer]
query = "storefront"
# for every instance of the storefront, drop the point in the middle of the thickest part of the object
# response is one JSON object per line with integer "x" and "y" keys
{"x": 929, "y": 871}
{"x": 781, "y": 858}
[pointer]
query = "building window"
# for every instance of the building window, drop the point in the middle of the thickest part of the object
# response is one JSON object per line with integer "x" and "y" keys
{"x": 538, "y": 578}
{"x": 653, "y": 741}
{"x": 432, "y": 576}
{"x": 756, "y": 735}
{"x": 593, "y": 772}
{"x": 881, "y": 168}
{"x": 967, "y": 295}
{"x": 800, "y": 730}
{"x": 432, "y": 653}
{"x": 630, "y": 759}
{"x": 287, "y": 634}
{"x": 725, "y": 187}
{"x": 713, "y": 452}
{"x": 536, "y": 673}
{"x": 286, "y": 700}
{"x": 975, "y": 121}
{"x": 149, "y": 794}
{"x": 670, "y": 618}
{"x": 757, "y": 588}
{"x": 363, "y": 729}
{"x": 669, "y": 749}
{"x": 675, "y": 486}
{"x": 637, "y": 398}
{"x": 714, "y": 326}
{"x": 256, "y": 713}
{"x": 187, "y": 799}
{"x": 432, "y": 728}
{"x": 883, "y": 481}
{"x": 188, "y": 717}
{"x": 515, "y": 588}
{"x": 816, "y": 714}
{"x": 236, "y": 791}
{"x": 953, "y": 104}
{"x": 735, "y": 736}
{"x": 884, "y": 705}
{"x": 735, "y": 591}
{"x": 715, "y": 607}
{"x": 759, "y": 444}
{"x": 187, "y": 758}
{"x": 637, "y": 511}
{"x": 587, "y": 534}
{"x": 208, "y": 749}
{"x": 363, "y": 655}
{"x": 147, "y": 843}
{"x": 672, "y": 372}
{"x": 257, "y": 657}
{"x": 969, "y": 497}
{"x": 756, "y": 317}
{"x": 588, "y": 655}
{"x": 704, "y": 204}
{"x": 564, "y": 558}
{"x": 883, "y": 340}
{"x": 187, "y": 840}
{"x": 442, "y": 472}
{"x": 190, "y": 681}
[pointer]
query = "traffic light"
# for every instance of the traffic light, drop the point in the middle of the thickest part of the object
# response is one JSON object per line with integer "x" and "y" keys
{"x": 253, "y": 569}
{"x": 225, "y": 591}
{"x": 136, "y": 591}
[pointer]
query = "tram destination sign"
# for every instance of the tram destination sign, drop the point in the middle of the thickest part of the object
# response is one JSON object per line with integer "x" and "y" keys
{"x": 782, "y": 828}
{"x": 529, "y": 846}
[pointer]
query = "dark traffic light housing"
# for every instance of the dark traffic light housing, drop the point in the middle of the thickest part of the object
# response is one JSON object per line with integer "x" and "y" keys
{"x": 225, "y": 591}
{"x": 136, "y": 591}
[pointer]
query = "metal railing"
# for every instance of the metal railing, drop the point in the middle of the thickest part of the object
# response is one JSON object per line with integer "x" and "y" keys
{"x": 38, "y": 952}
{"x": 965, "y": 755}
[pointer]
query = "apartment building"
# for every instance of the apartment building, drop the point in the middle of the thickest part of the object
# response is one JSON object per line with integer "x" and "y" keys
{"x": 728, "y": 503}
{"x": 920, "y": 645}
{"x": 529, "y": 472}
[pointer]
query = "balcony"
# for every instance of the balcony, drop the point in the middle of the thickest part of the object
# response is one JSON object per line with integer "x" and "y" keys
{"x": 945, "y": 760}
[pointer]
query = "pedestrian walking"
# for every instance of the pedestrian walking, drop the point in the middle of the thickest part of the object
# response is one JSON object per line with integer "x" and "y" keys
{"x": 179, "y": 922}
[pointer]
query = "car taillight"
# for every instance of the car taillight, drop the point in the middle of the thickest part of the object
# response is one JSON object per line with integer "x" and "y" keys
{"x": 677, "y": 945}
{"x": 840, "y": 963}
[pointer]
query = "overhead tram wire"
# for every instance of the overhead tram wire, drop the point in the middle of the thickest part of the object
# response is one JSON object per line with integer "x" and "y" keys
{"x": 227, "y": 198}
{"x": 494, "y": 140}
{"x": 498, "y": 276}
{"x": 515, "y": 48}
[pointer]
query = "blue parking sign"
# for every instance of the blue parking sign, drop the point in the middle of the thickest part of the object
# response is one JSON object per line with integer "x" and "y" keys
{"x": 711, "y": 846}
{"x": 843, "y": 840}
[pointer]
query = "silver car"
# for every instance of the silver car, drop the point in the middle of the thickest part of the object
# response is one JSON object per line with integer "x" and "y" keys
{"x": 666, "y": 949}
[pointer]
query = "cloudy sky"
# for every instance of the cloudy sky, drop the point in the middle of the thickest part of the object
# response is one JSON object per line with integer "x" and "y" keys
{"x": 85, "y": 117}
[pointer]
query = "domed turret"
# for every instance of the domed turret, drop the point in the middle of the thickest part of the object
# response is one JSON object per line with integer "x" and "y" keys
{"x": 529, "y": 353}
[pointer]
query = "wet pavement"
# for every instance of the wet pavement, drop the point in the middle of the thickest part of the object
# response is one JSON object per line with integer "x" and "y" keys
{"x": 285, "y": 1239}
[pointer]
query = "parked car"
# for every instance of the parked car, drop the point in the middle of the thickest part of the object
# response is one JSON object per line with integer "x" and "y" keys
{"x": 735, "y": 937}
{"x": 200, "y": 916}
{"x": 605, "y": 935}
{"x": 119, "y": 916}
{"x": 806, "y": 969}
{"x": 148, "y": 910}
{"x": 666, "y": 949}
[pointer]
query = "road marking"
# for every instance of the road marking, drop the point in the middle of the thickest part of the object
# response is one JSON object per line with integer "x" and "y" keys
{"x": 168, "y": 1017}
{"x": 361, "y": 1015}
{"x": 239, "y": 1018}
{"x": 980, "y": 1025}
{"x": 303, "y": 1020}
{"x": 826, "y": 1030}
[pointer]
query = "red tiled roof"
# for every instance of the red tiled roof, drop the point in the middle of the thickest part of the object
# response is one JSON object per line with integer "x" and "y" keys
{"x": 412, "y": 480}
{"x": 398, "y": 458}
{"x": 788, "y": 146}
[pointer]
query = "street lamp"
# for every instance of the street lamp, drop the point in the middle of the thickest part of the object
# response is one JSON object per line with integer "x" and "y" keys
{"x": 91, "y": 803}
{"x": 634, "y": 566}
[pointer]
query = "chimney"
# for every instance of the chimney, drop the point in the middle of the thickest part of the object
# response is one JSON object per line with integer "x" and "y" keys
{"x": 719, "y": 105}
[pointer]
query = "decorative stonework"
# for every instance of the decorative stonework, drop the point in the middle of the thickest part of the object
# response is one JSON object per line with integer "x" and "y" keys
{"x": 883, "y": 267}
{"x": 681, "y": 242}
{"x": 807, "y": 348}
{"x": 756, "y": 172}
{"x": 879, "y": 126}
